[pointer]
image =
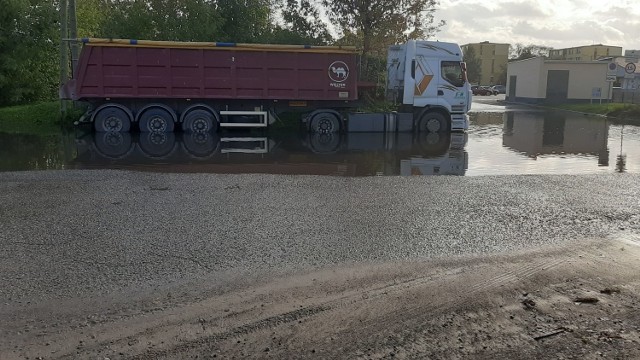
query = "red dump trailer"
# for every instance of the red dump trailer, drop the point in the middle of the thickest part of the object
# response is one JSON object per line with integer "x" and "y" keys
{"x": 159, "y": 85}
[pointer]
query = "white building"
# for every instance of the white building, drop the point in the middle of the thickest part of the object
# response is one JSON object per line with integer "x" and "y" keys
{"x": 539, "y": 80}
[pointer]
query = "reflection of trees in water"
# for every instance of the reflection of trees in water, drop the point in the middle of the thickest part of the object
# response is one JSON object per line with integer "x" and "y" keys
{"x": 32, "y": 152}
{"x": 621, "y": 163}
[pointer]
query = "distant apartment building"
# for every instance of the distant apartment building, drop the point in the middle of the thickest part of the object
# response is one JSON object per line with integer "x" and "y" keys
{"x": 493, "y": 60}
{"x": 585, "y": 53}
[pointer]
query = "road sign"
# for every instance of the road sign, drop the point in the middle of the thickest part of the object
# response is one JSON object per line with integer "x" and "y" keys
{"x": 611, "y": 69}
{"x": 596, "y": 93}
{"x": 611, "y": 78}
{"x": 630, "y": 68}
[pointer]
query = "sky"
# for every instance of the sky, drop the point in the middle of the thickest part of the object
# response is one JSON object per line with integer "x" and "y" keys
{"x": 555, "y": 23}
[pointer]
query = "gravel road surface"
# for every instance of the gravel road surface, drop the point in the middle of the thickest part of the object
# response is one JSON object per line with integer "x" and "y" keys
{"x": 66, "y": 236}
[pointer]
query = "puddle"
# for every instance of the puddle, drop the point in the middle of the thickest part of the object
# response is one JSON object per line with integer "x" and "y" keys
{"x": 550, "y": 143}
{"x": 511, "y": 142}
{"x": 355, "y": 154}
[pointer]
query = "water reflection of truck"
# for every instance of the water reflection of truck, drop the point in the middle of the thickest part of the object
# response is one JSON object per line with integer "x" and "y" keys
{"x": 352, "y": 154}
{"x": 201, "y": 87}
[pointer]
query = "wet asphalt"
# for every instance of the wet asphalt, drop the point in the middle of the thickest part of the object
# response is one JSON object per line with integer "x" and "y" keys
{"x": 71, "y": 233}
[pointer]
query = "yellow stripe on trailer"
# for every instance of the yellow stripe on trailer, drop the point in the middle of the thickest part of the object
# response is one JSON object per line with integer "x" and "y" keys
{"x": 218, "y": 46}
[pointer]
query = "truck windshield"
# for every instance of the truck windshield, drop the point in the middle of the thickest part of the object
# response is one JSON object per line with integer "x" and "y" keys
{"x": 452, "y": 72}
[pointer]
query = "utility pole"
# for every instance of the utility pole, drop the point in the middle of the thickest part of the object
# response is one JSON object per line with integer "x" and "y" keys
{"x": 64, "y": 50}
{"x": 73, "y": 34}
{"x": 68, "y": 34}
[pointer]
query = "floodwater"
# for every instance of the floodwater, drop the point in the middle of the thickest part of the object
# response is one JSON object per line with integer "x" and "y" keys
{"x": 506, "y": 142}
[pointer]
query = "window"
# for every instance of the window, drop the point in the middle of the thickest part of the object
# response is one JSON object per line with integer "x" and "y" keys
{"x": 452, "y": 72}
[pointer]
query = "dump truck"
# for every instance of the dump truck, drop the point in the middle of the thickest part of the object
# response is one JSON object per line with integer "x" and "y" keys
{"x": 160, "y": 86}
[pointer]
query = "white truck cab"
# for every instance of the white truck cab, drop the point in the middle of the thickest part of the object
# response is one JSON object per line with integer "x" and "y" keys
{"x": 429, "y": 79}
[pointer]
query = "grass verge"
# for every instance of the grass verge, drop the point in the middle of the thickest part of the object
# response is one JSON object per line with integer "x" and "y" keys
{"x": 622, "y": 111}
{"x": 40, "y": 118}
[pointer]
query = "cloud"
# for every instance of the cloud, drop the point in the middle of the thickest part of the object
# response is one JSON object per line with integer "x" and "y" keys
{"x": 555, "y": 23}
{"x": 577, "y": 33}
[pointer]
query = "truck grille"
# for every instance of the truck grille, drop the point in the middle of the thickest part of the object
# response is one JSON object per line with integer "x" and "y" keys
{"x": 457, "y": 108}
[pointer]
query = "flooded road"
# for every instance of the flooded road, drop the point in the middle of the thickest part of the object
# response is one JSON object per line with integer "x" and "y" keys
{"x": 182, "y": 257}
{"x": 500, "y": 141}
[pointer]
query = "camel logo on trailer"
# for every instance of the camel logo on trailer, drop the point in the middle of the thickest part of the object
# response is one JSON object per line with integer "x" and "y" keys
{"x": 338, "y": 71}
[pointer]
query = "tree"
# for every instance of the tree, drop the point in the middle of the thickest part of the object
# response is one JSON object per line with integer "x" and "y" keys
{"x": 245, "y": 20}
{"x": 379, "y": 23}
{"x": 522, "y": 52}
{"x": 91, "y": 16}
{"x": 180, "y": 20}
{"x": 502, "y": 75}
{"x": 474, "y": 65}
{"x": 302, "y": 25}
{"x": 29, "y": 35}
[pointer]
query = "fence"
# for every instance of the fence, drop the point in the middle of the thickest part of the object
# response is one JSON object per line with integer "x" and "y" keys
{"x": 626, "y": 96}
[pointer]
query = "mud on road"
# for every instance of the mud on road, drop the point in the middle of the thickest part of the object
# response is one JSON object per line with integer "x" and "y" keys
{"x": 574, "y": 301}
{"x": 111, "y": 264}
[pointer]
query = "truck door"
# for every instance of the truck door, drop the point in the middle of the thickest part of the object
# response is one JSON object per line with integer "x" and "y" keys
{"x": 425, "y": 80}
{"x": 409, "y": 73}
{"x": 451, "y": 83}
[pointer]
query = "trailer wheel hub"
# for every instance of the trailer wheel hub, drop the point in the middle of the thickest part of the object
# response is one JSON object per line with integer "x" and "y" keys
{"x": 200, "y": 125}
{"x": 325, "y": 125}
{"x": 157, "y": 124}
{"x": 113, "y": 123}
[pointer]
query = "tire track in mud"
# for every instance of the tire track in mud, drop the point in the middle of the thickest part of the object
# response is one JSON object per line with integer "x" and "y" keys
{"x": 363, "y": 296}
{"x": 589, "y": 257}
{"x": 296, "y": 315}
{"x": 442, "y": 303}
{"x": 324, "y": 308}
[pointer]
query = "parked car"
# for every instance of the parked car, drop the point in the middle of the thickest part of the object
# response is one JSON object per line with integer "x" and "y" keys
{"x": 500, "y": 89}
{"x": 481, "y": 90}
{"x": 491, "y": 90}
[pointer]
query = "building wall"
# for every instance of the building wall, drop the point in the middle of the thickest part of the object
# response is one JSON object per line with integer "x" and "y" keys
{"x": 492, "y": 57}
{"x": 529, "y": 75}
{"x": 531, "y": 82}
{"x": 585, "y": 53}
{"x": 583, "y": 77}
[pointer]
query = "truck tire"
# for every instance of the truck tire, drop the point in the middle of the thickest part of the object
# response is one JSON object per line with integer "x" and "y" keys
{"x": 157, "y": 144}
{"x": 156, "y": 119}
{"x": 199, "y": 120}
{"x": 112, "y": 118}
{"x": 433, "y": 121}
{"x": 324, "y": 122}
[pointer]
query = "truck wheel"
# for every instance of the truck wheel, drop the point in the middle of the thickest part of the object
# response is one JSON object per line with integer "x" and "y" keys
{"x": 433, "y": 122}
{"x": 112, "y": 118}
{"x": 199, "y": 121}
{"x": 324, "y": 122}
{"x": 157, "y": 144}
{"x": 156, "y": 120}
